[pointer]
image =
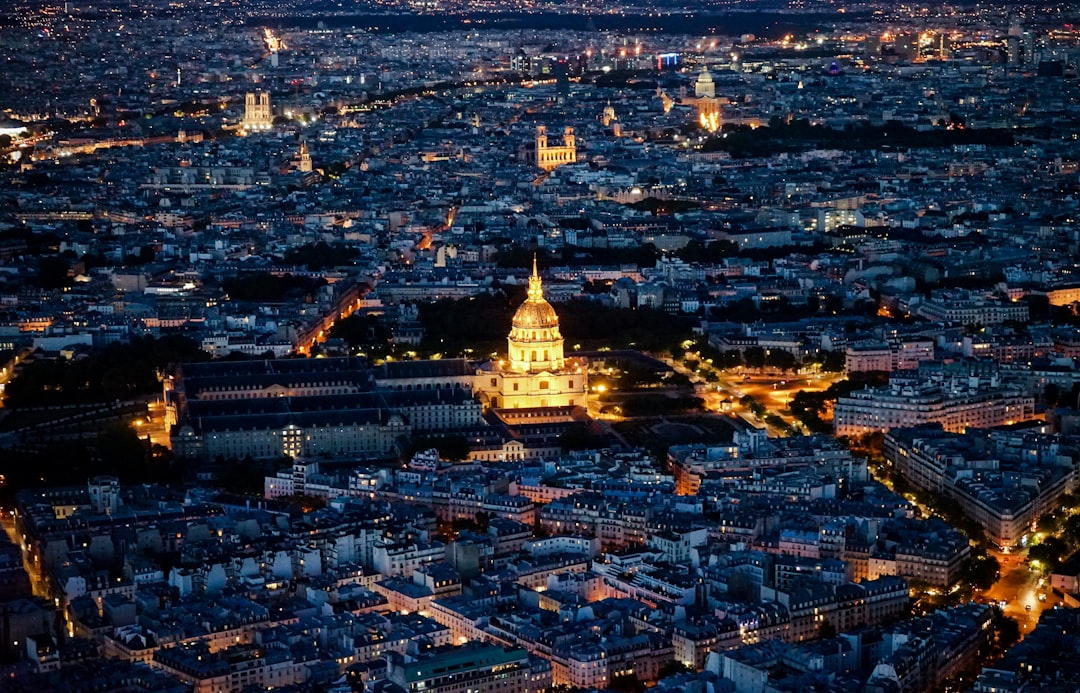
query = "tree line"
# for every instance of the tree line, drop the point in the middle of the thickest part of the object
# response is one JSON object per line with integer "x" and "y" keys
{"x": 117, "y": 371}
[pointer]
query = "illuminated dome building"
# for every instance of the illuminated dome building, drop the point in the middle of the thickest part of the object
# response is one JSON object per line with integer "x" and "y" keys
{"x": 608, "y": 116}
{"x": 536, "y": 373}
{"x": 705, "y": 88}
{"x": 706, "y": 102}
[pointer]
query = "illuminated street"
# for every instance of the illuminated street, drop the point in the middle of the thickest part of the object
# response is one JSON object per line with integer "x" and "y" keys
{"x": 154, "y": 424}
{"x": 1018, "y": 586}
{"x": 773, "y": 391}
{"x": 8, "y": 372}
{"x": 38, "y": 585}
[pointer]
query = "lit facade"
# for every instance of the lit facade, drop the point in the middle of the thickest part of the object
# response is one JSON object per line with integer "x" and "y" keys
{"x": 258, "y": 115}
{"x": 305, "y": 158}
{"x": 708, "y": 106}
{"x": 972, "y": 312}
{"x": 893, "y": 356}
{"x": 551, "y": 156}
{"x": 955, "y": 408}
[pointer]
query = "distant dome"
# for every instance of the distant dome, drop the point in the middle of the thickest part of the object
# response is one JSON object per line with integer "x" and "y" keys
{"x": 705, "y": 87}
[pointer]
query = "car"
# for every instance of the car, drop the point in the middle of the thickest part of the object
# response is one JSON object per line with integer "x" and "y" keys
{"x": 1042, "y": 597}
{"x": 1027, "y": 607}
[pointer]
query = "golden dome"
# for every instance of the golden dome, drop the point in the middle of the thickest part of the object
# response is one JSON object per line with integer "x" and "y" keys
{"x": 535, "y": 312}
{"x": 534, "y": 315}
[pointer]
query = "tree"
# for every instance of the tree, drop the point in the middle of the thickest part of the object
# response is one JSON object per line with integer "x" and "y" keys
{"x": 1006, "y": 630}
{"x": 980, "y": 571}
{"x": 317, "y": 256}
{"x": 241, "y": 476}
{"x": 754, "y": 357}
{"x": 117, "y": 371}
{"x": 1049, "y": 553}
{"x": 730, "y": 358}
{"x": 450, "y": 447}
{"x": 53, "y": 273}
{"x": 124, "y": 452}
{"x": 711, "y": 252}
{"x": 305, "y": 502}
{"x": 1052, "y": 395}
{"x": 576, "y": 437}
{"x": 596, "y": 287}
{"x": 827, "y": 629}
{"x": 833, "y": 361}
{"x": 873, "y": 443}
{"x": 780, "y": 359}
{"x": 775, "y": 421}
{"x": 626, "y": 683}
{"x": 363, "y": 332}
{"x": 755, "y": 407}
{"x": 1070, "y": 531}
{"x": 674, "y": 667}
{"x": 263, "y": 286}
{"x": 1049, "y": 523}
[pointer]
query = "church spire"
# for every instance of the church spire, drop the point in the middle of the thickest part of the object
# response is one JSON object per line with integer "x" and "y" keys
{"x": 536, "y": 285}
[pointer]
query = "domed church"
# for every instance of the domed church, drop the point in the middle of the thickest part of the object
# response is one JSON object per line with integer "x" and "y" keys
{"x": 536, "y": 373}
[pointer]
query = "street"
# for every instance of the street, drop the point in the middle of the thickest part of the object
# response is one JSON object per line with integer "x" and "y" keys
{"x": 7, "y": 372}
{"x": 1018, "y": 586}
{"x": 37, "y": 584}
{"x": 154, "y": 424}
{"x": 774, "y": 392}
